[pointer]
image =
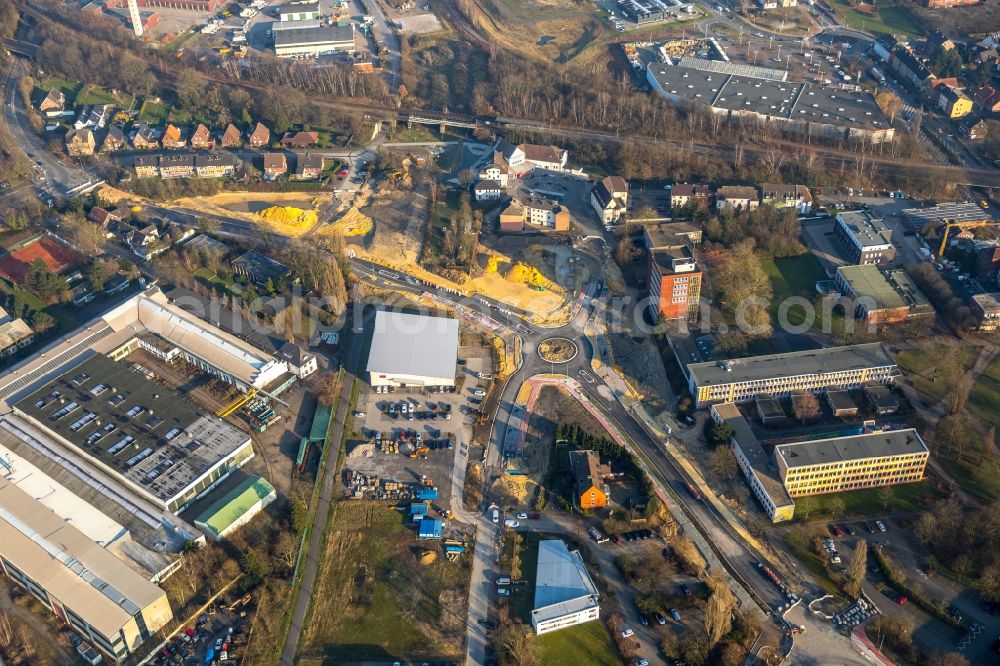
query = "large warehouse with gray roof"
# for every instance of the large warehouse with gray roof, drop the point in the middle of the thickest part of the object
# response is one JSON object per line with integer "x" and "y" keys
{"x": 825, "y": 111}
{"x": 413, "y": 350}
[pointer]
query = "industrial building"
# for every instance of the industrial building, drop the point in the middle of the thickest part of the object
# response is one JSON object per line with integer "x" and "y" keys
{"x": 236, "y": 507}
{"x": 100, "y": 596}
{"x": 674, "y": 283}
{"x": 739, "y": 380}
{"x": 860, "y": 461}
{"x": 962, "y": 212}
{"x": 565, "y": 594}
{"x": 413, "y": 350}
{"x": 828, "y": 112}
{"x": 311, "y": 41}
{"x": 986, "y": 307}
{"x": 865, "y": 239}
{"x": 649, "y": 11}
{"x": 889, "y": 297}
{"x": 757, "y": 466}
{"x": 298, "y": 11}
{"x": 147, "y": 437}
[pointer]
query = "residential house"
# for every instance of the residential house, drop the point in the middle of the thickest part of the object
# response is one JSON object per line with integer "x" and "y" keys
{"x": 308, "y": 166}
{"x": 682, "y": 193}
{"x": 275, "y": 165}
{"x": 172, "y": 137}
{"x": 986, "y": 308}
{"x": 609, "y": 199}
{"x": 946, "y": 4}
{"x": 214, "y": 165}
{"x": 147, "y": 166}
{"x": 105, "y": 219}
{"x": 260, "y": 268}
{"x": 201, "y": 138}
{"x": 259, "y": 137}
{"x": 736, "y": 197}
{"x": 527, "y": 156}
{"x": 987, "y": 99}
{"x": 953, "y": 102}
{"x": 976, "y": 131}
{"x": 231, "y": 137}
{"x": 937, "y": 40}
{"x": 15, "y": 334}
{"x": 787, "y": 196}
{"x": 144, "y": 138}
{"x": 114, "y": 140}
{"x": 488, "y": 190}
{"x": 528, "y": 212}
{"x": 93, "y": 117}
{"x": 176, "y": 166}
{"x": 80, "y": 143}
{"x": 589, "y": 476}
{"x": 909, "y": 68}
{"x": 301, "y": 362}
{"x": 53, "y": 104}
{"x": 300, "y": 139}
{"x": 496, "y": 171}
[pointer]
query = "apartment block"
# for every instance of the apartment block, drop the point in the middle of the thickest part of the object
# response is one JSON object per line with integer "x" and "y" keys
{"x": 815, "y": 370}
{"x": 674, "y": 283}
{"x": 861, "y": 461}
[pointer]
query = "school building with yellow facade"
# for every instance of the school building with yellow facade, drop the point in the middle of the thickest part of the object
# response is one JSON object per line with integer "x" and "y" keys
{"x": 740, "y": 380}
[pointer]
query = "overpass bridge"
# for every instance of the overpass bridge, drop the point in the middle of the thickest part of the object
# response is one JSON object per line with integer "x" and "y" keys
{"x": 26, "y": 49}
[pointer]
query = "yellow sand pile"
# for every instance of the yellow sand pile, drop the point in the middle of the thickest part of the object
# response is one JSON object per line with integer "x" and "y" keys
{"x": 288, "y": 215}
{"x": 492, "y": 264}
{"x": 522, "y": 273}
{"x": 353, "y": 223}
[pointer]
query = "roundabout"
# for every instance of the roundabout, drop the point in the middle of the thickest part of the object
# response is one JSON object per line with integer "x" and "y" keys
{"x": 557, "y": 350}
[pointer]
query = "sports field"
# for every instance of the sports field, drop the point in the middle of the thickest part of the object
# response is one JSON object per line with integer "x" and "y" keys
{"x": 57, "y": 257}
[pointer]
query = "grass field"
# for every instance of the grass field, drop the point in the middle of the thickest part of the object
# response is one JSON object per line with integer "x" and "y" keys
{"x": 793, "y": 277}
{"x": 888, "y": 20}
{"x": 374, "y": 601}
{"x": 415, "y": 134}
{"x": 68, "y": 88}
{"x": 154, "y": 113}
{"x": 984, "y": 401}
{"x": 583, "y": 644}
{"x": 860, "y": 503}
{"x": 96, "y": 95}
{"x": 920, "y": 365}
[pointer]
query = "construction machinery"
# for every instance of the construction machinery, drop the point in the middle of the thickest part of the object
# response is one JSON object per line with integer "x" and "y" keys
{"x": 236, "y": 404}
{"x": 962, "y": 226}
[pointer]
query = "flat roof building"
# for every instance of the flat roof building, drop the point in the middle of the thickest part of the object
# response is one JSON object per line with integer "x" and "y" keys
{"x": 235, "y": 508}
{"x": 852, "y": 463}
{"x": 882, "y": 297}
{"x": 918, "y": 218}
{"x": 865, "y": 239}
{"x": 739, "y": 380}
{"x": 565, "y": 594}
{"x": 757, "y": 466}
{"x": 149, "y": 438}
{"x": 413, "y": 350}
{"x": 674, "y": 283}
{"x": 111, "y": 605}
{"x": 829, "y": 112}
{"x": 986, "y": 307}
{"x": 314, "y": 41}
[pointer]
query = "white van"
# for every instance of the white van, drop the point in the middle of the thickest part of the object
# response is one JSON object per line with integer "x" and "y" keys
{"x": 496, "y": 515}
{"x": 503, "y": 580}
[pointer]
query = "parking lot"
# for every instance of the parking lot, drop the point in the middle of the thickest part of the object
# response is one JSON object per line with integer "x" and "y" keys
{"x": 419, "y": 435}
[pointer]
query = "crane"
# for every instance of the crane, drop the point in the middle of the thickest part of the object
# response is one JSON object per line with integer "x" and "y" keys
{"x": 949, "y": 225}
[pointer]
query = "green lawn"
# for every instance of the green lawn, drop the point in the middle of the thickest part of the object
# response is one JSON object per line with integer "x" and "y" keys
{"x": 984, "y": 401}
{"x": 68, "y": 88}
{"x": 981, "y": 480}
{"x": 213, "y": 280}
{"x": 920, "y": 368}
{"x": 889, "y": 20}
{"x": 908, "y": 497}
{"x": 95, "y": 95}
{"x": 415, "y": 134}
{"x": 154, "y": 113}
{"x": 793, "y": 276}
{"x": 587, "y": 643}
{"x": 180, "y": 40}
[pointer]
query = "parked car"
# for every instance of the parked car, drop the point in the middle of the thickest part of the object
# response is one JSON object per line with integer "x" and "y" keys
{"x": 478, "y": 392}
{"x": 503, "y": 591}
{"x": 880, "y": 525}
{"x": 659, "y": 618}
{"x": 522, "y": 516}
{"x": 685, "y": 590}
{"x": 627, "y": 631}
{"x": 675, "y": 614}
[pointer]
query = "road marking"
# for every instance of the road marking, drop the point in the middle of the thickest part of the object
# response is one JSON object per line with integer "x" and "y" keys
{"x": 389, "y": 274}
